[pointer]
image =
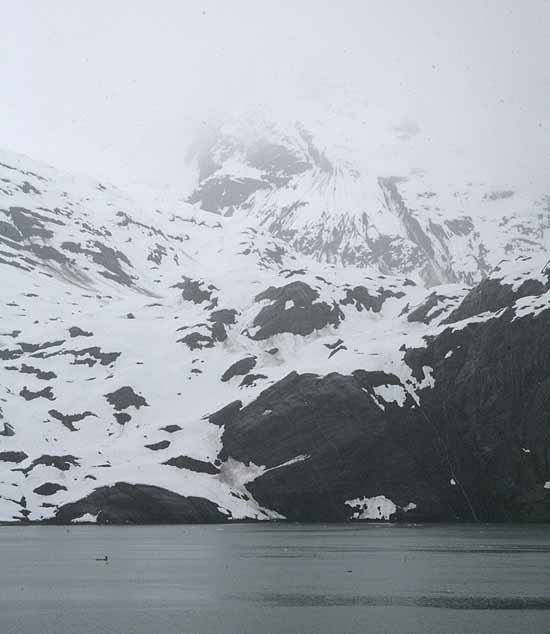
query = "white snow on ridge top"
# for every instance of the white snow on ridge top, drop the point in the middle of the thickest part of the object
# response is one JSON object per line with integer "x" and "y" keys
{"x": 514, "y": 272}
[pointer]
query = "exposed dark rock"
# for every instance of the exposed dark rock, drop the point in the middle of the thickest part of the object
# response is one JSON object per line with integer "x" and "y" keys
{"x": 49, "y": 488}
{"x": 362, "y": 299}
{"x": 346, "y": 437}
{"x": 295, "y": 403}
{"x": 287, "y": 273}
{"x": 127, "y": 220}
{"x": 63, "y": 463}
{"x": 218, "y": 331}
{"x": 13, "y": 456}
{"x": 239, "y": 368}
{"x": 171, "y": 428}
{"x": 69, "y": 419}
{"x": 104, "y": 358}
{"x": 34, "y": 347}
{"x": 157, "y": 253}
{"x": 226, "y": 414}
{"x": 75, "y": 331}
{"x": 47, "y": 392}
{"x": 192, "y": 291}
{"x": 86, "y": 356}
{"x": 431, "y": 271}
{"x": 9, "y": 231}
{"x": 477, "y": 448}
{"x": 250, "y": 379}
{"x": 491, "y": 295}
{"x": 225, "y": 316}
{"x": 27, "y": 188}
{"x": 491, "y": 400}
{"x": 338, "y": 349}
{"x": 425, "y": 312}
{"x": 185, "y": 462}
{"x": 302, "y": 318}
{"x": 461, "y": 226}
{"x": 197, "y": 341}
{"x": 336, "y": 344}
{"x": 276, "y": 161}
{"x": 40, "y": 374}
{"x": 29, "y": 224}
{"x": 122, "y": 418}
{"x": 211, "y": 334}
{"x": 298, "y": 292}
{"x": 106, "y": 257}
{"x": 47, "y": 252}
{"x": 157, "y": 446}
{"x": 224, "y": 194}
{"x": 140, "y": 504}
{"x": 13, "y": 333}
{"x": 8, "y": 430}
{"x": 125, "y": 397}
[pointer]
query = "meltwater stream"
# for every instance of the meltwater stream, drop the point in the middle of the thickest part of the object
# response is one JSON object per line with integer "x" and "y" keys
{"x": 275, "y": 578}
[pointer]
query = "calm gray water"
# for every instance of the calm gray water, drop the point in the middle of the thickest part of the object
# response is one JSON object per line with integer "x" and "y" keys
{"x": 275, "y": 578}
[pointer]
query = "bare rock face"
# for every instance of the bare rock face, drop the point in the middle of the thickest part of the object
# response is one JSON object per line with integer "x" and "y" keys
{"x": 302, "y": 317}
{"x": 323, "y": 203}
{"x": 192, "y": 464}
{"x": 338, "y": 442}
{"x": 239, "y": 368}
{"x": 283, "y": 357}
{"x": 490, "y": 407}
{"x": 13, "y": 456}
{"x": 125, "y": 397}
{"x": 140, "y": 504}
{"x": 491, "y": 295}
{"x": 476, "y": 448}
{"x": 49, "y": 488}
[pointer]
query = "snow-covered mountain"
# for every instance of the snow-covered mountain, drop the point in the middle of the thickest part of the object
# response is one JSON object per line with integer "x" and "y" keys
{"x": 333, "y": 190}
{"x": 159, "y": 362}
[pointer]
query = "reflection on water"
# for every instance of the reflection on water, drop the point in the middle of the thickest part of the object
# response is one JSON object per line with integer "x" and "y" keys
{"x": 448, "y": 602}
{"x": 275, "y": 578}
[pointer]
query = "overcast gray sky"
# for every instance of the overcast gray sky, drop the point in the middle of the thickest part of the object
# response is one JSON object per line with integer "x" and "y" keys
{"x": 116, "y": 88}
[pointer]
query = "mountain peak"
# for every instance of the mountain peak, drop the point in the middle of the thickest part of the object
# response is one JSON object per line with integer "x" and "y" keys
{"x": 331, "y": 197}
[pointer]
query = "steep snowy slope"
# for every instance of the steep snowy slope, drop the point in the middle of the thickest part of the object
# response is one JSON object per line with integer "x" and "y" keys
{"x": 118, "y": 324}
{"x": 331, "y": 196}
{"x": 163, "y": 363}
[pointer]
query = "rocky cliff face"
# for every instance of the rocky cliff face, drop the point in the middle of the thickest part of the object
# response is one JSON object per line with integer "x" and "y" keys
{"x": 165, "y": 363}
{"x": 472, "y": 444}
{"x": 327, "y": 201}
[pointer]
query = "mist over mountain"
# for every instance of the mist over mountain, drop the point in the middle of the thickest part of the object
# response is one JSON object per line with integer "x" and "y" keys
{"x": 139, "y": 83}
{"x": 295, "y": 340}
{"x": 278, "y": 263}
{"x": 343, "y": 186}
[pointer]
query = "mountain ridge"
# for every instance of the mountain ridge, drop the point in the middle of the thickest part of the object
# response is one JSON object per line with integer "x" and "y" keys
{"x": 165, "y": 363}
{"x": 341, "y": 209}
